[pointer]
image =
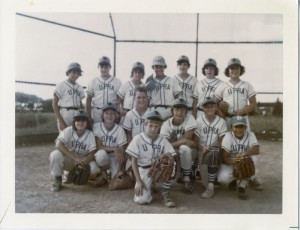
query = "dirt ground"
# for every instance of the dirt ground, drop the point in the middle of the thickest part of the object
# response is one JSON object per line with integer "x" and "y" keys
{"x": 33, "y": 195}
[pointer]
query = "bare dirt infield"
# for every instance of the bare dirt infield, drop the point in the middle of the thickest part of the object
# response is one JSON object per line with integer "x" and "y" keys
{"x": 33, "y": 195}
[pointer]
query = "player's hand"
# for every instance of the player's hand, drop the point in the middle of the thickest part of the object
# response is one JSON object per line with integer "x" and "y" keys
{"x": 138, "y": 189}
{"x": 189, "y": 143}
{"x": 120, "y": 156}
{"x": 62, "y": 125}
{"x": 79, "y": 161}
{"x": 205, "y": 149}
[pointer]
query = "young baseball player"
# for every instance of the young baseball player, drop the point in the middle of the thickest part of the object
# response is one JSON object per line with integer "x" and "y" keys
{"x": 135, "y": 118}
{"x": 110, "y": 140}
{"x": 67, "y": 97}
{"x": 211, "y": 130}
{"x": 179, "y": 130}
{"x": 186, "y": 82}
{"x": 206, "y": 87}
{"x": 235, "y": 93}
{"x": 126, "y": 93}
{"x": 74, "y": 145}
{"x": 238, "y": 143}
{"x": 165, "y": 91}
{"x": 144, "y": 149}
{"x": 101, "y": 90}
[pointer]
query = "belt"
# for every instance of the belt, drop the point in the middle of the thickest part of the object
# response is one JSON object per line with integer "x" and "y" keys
{"x": 96, "y": 108}
{"x": 230, "y": 115}
{"x": 190, "y": 108}
{"x": 200, "y": 109}
{"x": 163, "y": 106}
{"x": 70, "y": 108}
{"x": 145, "y": 167}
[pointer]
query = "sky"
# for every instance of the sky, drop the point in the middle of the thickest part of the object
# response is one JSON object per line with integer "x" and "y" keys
{"x": 44, "y": 50}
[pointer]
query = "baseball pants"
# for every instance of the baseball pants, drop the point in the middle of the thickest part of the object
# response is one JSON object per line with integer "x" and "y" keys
{"x": 186, "y": 155}
{"x": 107, "y": 160}
{"x": 67, "y": 115}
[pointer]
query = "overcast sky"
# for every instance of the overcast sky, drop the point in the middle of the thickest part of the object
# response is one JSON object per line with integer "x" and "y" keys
{"x": 43, "y": 50}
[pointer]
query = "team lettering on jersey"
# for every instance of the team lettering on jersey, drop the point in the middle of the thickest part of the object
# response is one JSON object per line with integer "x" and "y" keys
{"x": 109, "y": 139}
{"x": 239, "y": 148}
{"x": 156, "y": 148}
{"x": 178, "y": 131}
{"x": 139, "y": 121}
{"x": 207, "y": 130}
{"x": 106, "y": 85}
{"x": 78, "y": 145}
{"x": 237, "y": 90}
{"x": 186, "y": 86}
{"x": 131, "y": 92}
{"x": 73, "y": 92}
{"x": 164, "y": 85}
{"x": 209, "y": 88}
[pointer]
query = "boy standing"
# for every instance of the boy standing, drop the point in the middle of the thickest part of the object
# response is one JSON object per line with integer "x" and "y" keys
{"x": 144, "y": 149}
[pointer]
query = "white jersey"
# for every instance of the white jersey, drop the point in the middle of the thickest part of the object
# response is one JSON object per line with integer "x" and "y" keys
{"x": 206, "y": 88}
{"x": 187, "y": 87}
{"x": 127, "y": 94}
{"x": 103, "y": 91}
{"x": 147, "y": 150}
{"x": 209, "y": 133}
{"x": 164, "y": 91}
{"x": 168, "y": 129}
{"x": 69, "y": 95}
{"x": 82, "y": 145}
{"x": 236, "y": 96}
{"x": 113, "y": 138}
{"x": 134, "y": 122}
{"x": 234, "y": 146}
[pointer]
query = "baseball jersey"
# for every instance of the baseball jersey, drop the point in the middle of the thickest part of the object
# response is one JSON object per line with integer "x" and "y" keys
{"x": 164, "y": 91}
{"x": 103, "y": 91}
{"x": 236, "y": 96}
{"x": 234, "y": 146}
{"x": 127, "y": 94}
{"x": 69, "y": 95}
{"x": 168, "y": 129}
{"x": 134, "y": 122}
{"x": 209, "y": 133}
{"x": 187, "y": 87}
{"x": 206, "y": 88}
{"x": 147, "y": 150}
{"x": 113, "y": 138}
{"x": 82, "y": 145}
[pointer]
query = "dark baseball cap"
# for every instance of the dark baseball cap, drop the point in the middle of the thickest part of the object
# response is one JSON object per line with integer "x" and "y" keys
{"x": 238, "y": 120}
{"x": 81, "y": 113}
{"x": 109, "y": 105}
{"x": 154, "y": 115}
{"x": 104, "y": 61}
{"x": 74, "y": 66}
{"x": 208, "y": 100}
{"x": 180, "y": 102}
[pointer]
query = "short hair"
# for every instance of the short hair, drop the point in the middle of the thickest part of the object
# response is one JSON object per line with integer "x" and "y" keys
{"x": 226, "y": 72}
{"x": 141, "y": 89}
{"x": 216, "y": 70}
{"x": 179, "y": 63}
{"x": 116, "y": 112}
{"x": 131, "y": 75}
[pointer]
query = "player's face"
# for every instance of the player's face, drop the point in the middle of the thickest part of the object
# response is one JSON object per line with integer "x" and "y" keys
{"x": 159, "y": 70}
{"x": 137, "y": 75}
{"x": 210, "y": 71}
{"x": 179, "y": 113}
{"x": 104, "y": 70}
{"x": 183, "y": 67}
{"x": 74, "y": 75}
{"x": 235, "y": 71}
{"x": 109, "y": 117}
{"x": 152, "y": 128}
{"x": 210, "y": 109}
{"x": 80, "y": 125}
{"x": 239, "y": 131}
{"x": 141, "y": 99}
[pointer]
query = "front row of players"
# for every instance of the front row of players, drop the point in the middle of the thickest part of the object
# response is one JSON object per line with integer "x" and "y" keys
{"x": 188, "y": 140}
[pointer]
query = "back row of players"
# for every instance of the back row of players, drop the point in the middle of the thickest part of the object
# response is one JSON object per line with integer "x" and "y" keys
{"x": 172, "y": 106}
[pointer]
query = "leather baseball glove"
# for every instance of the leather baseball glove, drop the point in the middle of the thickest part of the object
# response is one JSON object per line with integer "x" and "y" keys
{"x": 162, "y": 169}
{"x": 150, "y": 83}
{"x": 244, "y": 168}
{"x": 223, "y": 106}
{"x": 79, "y": 175}
{"x": 212, "y": 158}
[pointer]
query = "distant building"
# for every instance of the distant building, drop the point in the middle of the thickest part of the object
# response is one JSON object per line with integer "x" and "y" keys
{"x": 264, "y": 108}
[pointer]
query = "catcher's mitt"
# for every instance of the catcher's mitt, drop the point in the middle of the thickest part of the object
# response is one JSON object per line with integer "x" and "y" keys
{"x": 244, "y": 168}
{"x": 79, "y": 175}
{"x": 150, "y": 84}
{"x": 212, "y": 158}
{"x": 162, "y": 169}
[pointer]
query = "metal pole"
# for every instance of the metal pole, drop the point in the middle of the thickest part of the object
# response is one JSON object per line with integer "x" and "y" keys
{"x": 197, "y": 29}
{"x": 115, "y": 44}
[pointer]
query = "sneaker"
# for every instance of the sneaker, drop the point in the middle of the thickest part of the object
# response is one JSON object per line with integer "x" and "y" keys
{"x": 232, "y": 185}
{"x": 56, "y": 186}
{"x": 168, "y": 200}
{"x": 188, "y": 187}
{"x": 209, "y": 192}
{"x": 256, "y": 184}
{"x": 242, "y": 193}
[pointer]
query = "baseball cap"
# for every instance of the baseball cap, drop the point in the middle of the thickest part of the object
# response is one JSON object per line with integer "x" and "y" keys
{"x": 153, "y": 115}
{"x": 238, "y": 120}
{"x": 180, "y": 102}
{"x": 104, "y": 61}
{"x": 80, "y": 113}
{"x": 210, "y": 62}
{"x": 159, "y": 60}
{"x": 138, "y": 65}
{"x": 183, "y": 58}
{"x": 208, "y": 100}
{"x": 234, "y": 61}
{"x": 109, "y": 105}
{"x": 73, "y": 66}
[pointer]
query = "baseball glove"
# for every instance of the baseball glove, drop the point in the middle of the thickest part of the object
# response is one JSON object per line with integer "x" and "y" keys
{"x": 212, "y": 158}
{"x": 223, "y": 106}
{"x": 244, "y": 168}
{"x": 121, "y": 181}
{"x": 162, "y": 169}
{"x": 79, "y": 175}
{"x": 150, "y": 84}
